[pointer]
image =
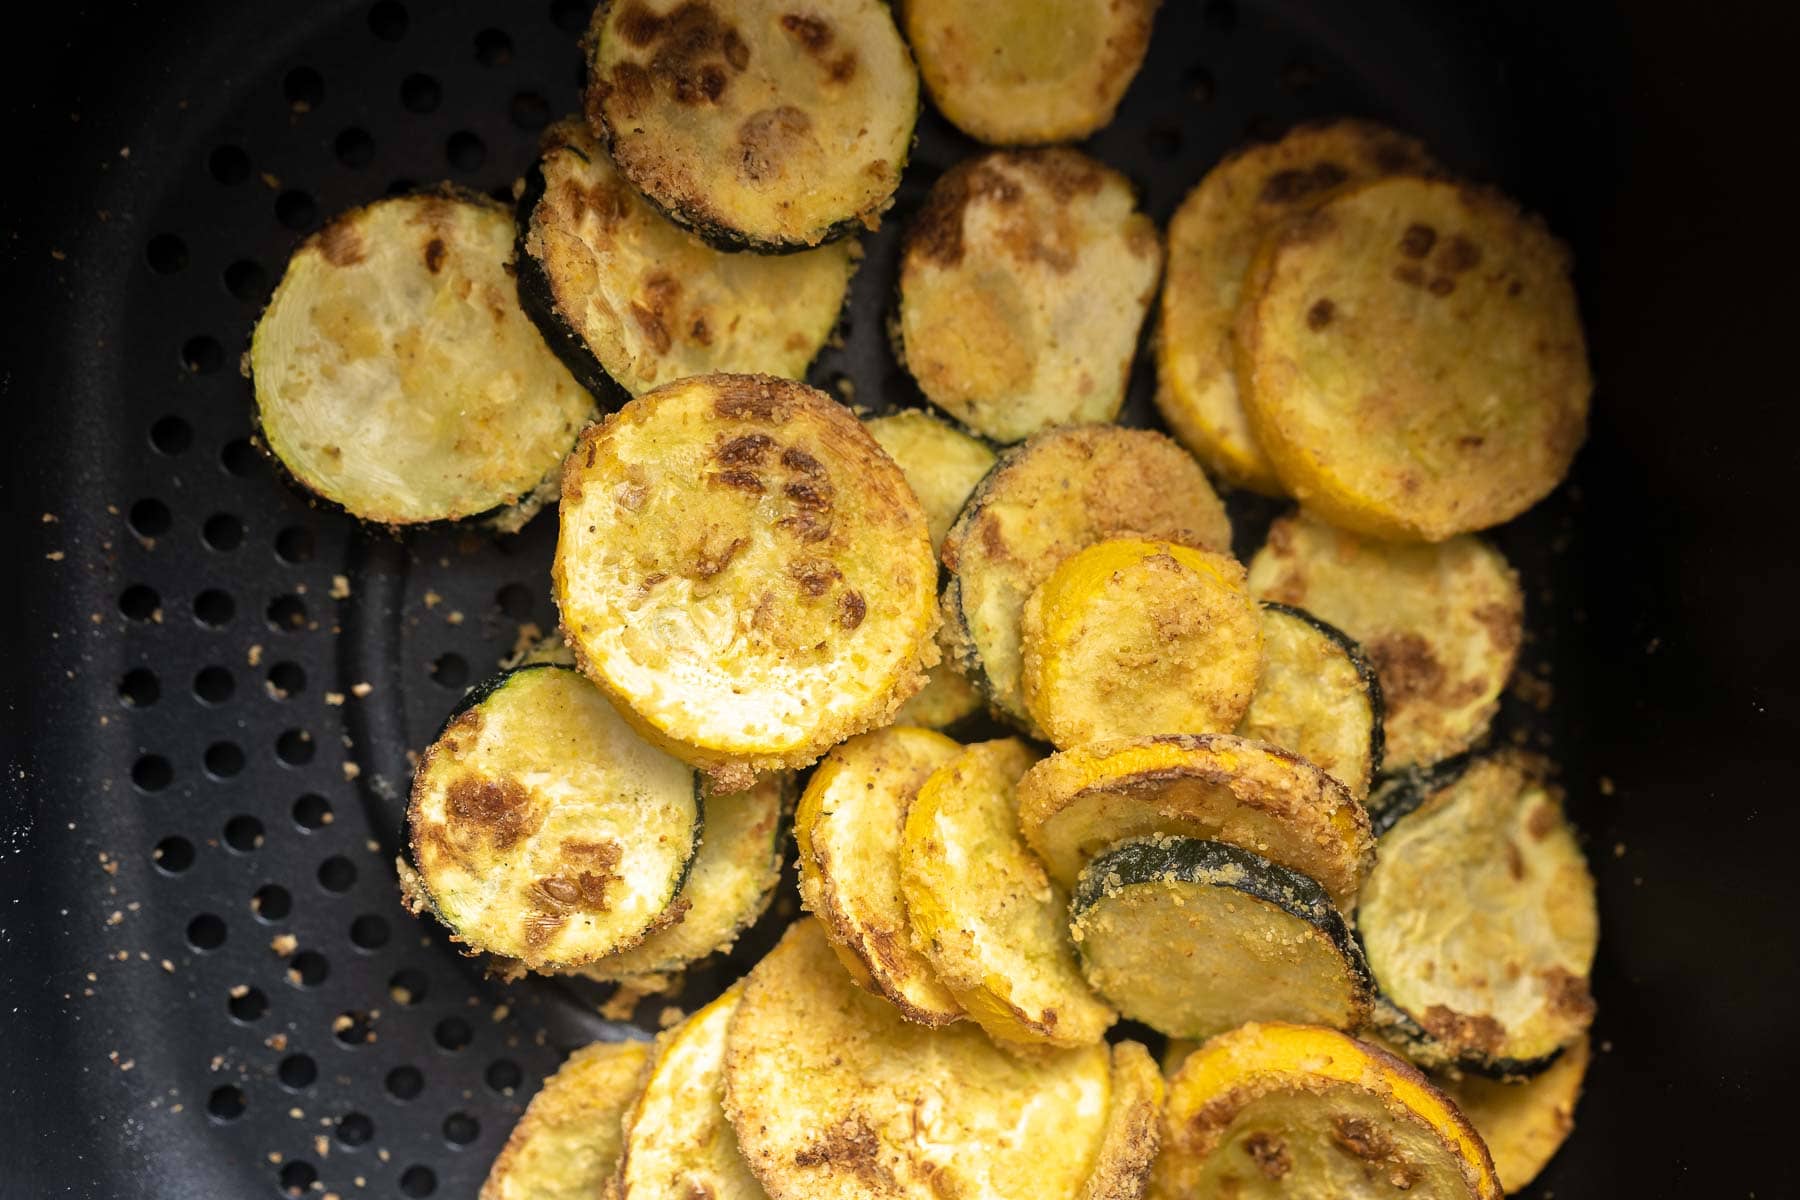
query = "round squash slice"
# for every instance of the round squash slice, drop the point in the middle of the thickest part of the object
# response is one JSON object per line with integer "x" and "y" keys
{"x": 848, "y": 828}
{"x": 984, "y": 912}
{"x": 1319, "y": 696}
{"x": 758, "y": 124}
{"x": 1059, "y": 492}
{"x": 1134, "y": 637}
{"x": 1028, "y": 71}
{"x": 835, "y": 1096}
{"x": 631, "y": 301}
{"x": 1276, "y": 1110}
{"x": 397, "y": 377}
{"x": 1213, "y": 237}
{"x": 744, "y": 572}
{"x": 1411, "y": 359}
{"x": 1023, "y": 283}
{"x": 543, "y": 829}
{"x": 1133, "y": 1127}
{"x": 1480, "y": 924}
{"x": 1442, "y": 624}
{"x": 566, "y": 1146}
{"x": 1524, "y": 1123}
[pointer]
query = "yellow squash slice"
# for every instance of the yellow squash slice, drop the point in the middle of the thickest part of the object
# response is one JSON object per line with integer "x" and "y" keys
{"x": 566, "y": 1146}
{"x": 744, "y": 572}
{"x": 1319, "y": 696}
{"x": 1213, "y": 787}
{"x": 835, "y": 1096}
{"x": 1058, "y": 493}
{"x": 1023, "y": 283}
{"x": 1133, "y": 1127}
{"x": 1411, "y": 359}
{"x": 1133, "y": 637}
{"x": 1024, "y": 72}
{"x": 984, "y": 912}
{"x": 1442, "y": 624}
{"x": 1297, "y": 1111}
{"x": 1523, "y": 1124}
{"x": 1213, "y": 237}
{"x": 848, "y": 828}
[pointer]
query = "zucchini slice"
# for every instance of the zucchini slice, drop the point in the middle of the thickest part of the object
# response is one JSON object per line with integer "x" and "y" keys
{"x": 1213, "y": 238}
{"x": 543, "y": 829}
{"x": 942, "y": 465}
{"x": 1133, "y": 1127}
{"x": 1134, "y": 637}
{"x": 1277, "y": 1110}
{"x": 1411, "y": 359}
{"x": 632, "y": 301}
{"x": 1193, "y": 938}
{"x": 1481, "y": 925}
{"x": 1023, "y": 283}
{"x": 848, "y": 829}
{"x": 744, "y": 572}
{"x": 566, "y": 1146}
{"x": 678, "y": 1144}
{"x": 1319, "y": 696}
{"x": 757, "y": 124}
{"x": 1215, "y": 787}
{"x": 1442, "y": 624}
{"x": 731, "y": 882}
{"x": 835, "y": 1096}
{"x": 983, "y": 910}
{"x": 397, "y": 377}
{"x": 1061, "y": 491}
{"x": 1523, "y": 1124}
{"x": 1028, "y": 71}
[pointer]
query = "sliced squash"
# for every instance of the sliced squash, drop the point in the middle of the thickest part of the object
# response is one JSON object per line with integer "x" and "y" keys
{"x": 744, "y": 572}
{"x": 1481, "y": 924}
{"x": 984, "y": 912}
{"x": 849, "y": 829}
{"x": 566, "y": 1146}
{"x": 1023, "y": 283}
{"x": 1215, "y": 787}
{"x": 1135, "y": 636}
{"x": 1277, "y": 1110}
{"x": 835, "y": 1096}
{"x": 1193, "y": 938}
{"x": 543, "y": 829}
{"x": 1059, "y": 492}
{"x": 1442, "y": 624}
{"x": 1411, "y": 359}
{"x": 1524, "y": 1124}
{"x": 1133, "y": 1127}
{"x": 1319, "y": 696}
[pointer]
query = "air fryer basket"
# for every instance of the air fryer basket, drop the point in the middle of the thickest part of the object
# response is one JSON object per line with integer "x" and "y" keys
{"x": 213, "y": 688}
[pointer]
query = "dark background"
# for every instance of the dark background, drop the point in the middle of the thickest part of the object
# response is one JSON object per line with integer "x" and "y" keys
{"x": 1653, "y": 137}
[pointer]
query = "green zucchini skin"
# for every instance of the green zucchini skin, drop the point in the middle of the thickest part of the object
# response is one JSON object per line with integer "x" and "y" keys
{"x": 1398, "y": 1025}
{"x": 1398, "y": 795}
{"x": 1365, "y": 671}
{"x": 538, "y": 300}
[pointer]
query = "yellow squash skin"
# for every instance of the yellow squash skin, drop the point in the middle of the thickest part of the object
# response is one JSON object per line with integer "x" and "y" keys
{"x": 1274, "y": 1110}
{"x": 567, "y": 1144}
{"x": 1213, "y": 237}
{"x": 983, "y": 910}
{"x": 1411, "y": 359}
{"x": 1133, "y": 637}
{"x": 744, "y": 572}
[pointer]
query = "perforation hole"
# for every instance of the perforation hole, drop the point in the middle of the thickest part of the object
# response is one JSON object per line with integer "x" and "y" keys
{"x": 296, "y": 210}
{"x": 570, "y": 16}
{"x": 286, "y": 680}
{"x": 297, "y": 1072}
{"x": 369, "y": 932}
{"x": 202, "y": 354}
{"x": 297, "y": 1177}
{"x": 1298, "y": 75}
{"x": 337, "y": 874}
{"x": 286, "y": 613}
{"x": 171, "y": 435}
{"x": 418, "y": 1180}
{"x": 239, "y": 457}
{"x": 295, "y": 544}
{"x": 226, "y": 1102}
{"x": 312, "y": 813}
{"x": 139, "y": 602}
{"x": 1221, "y": 15}
{"x": 465, "y": 152}
{"x": 308, "y": 969}
{"x": 152, "y": 773}
{"x": 166, "y": 254}
{"x": 224, "y": 760}
{"x": 271, "y": 902}
{"x": 295, "y": 747}
{"x": 354, "y": 147}
{"x": 138, "y": 688}
{"x": 213, "y": 685}
{"x": 352, "y": 1028}
{"x": 450, "y": 670}
{"x": 421, "y": 93}
{"x": 452, "y": 1034}
{"x": 355, "y": 1129}
{"x": 1197, "y": 82}
{"x": 173, "y": 855}
{"x": 408, "y": 987}
{"x": 222, "y": 532}
{"x": 304, "y": 89}
{"x": 150, "y": 517}
{"x": 229, "y": 164}
{"x": 529, "y": 111}
{"x": 206, "y": 932}
{"x": 214, "y": 607}
{"x": 247, "y": 281}
{"x": 404, "y": 1083}
{"x": 244, "y": 833}
{"x": 388, "y": 20}
{"x": 493, "y": 48}
{"x": 503, "y": 1075}
{"x": 514, "y": 600}
{"x": 460, "y": 1129}
{"x": 246, "y": 1004}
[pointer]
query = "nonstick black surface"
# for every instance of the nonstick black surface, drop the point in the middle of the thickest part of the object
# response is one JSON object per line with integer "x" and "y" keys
{"x": 179, "y": 791}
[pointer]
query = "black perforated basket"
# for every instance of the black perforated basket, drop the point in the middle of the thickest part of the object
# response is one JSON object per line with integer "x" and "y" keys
{"x": 212, "y": 688}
